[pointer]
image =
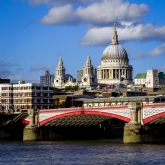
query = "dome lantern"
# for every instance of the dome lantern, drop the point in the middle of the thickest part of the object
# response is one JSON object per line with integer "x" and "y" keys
{"x": 114, "y": 36}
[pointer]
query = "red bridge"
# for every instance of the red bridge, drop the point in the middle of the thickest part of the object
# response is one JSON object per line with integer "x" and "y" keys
{"x": 142, "y": 114}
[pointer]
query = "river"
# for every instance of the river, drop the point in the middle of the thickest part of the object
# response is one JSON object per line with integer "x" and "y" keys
{"x": 91, "y": 152}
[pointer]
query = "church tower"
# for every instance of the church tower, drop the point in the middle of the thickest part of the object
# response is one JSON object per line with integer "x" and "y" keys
{"x": 59, "y": 79}
{"x": 89, "y": 74}
{"x": 152, "y": 79}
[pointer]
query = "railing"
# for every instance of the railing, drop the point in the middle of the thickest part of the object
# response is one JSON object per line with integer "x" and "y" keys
{"x": 82, "y": 108}
{"x": 96, "y": 107}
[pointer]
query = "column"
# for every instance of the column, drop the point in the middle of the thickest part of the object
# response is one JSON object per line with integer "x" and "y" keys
{"x": 133, "y": 115}
{"x": 119, "y": 73}
{"x": 105, "y": 74}
{"x": 98, "y": 74}
{"x": 128, "y": 74}
{"x": 124, "y": 73}
{"x": 115, "y": 73}
{"x": 108, "y": 73}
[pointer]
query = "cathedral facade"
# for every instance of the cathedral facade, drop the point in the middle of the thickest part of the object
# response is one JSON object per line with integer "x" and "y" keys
{"x": 114, "y": 68}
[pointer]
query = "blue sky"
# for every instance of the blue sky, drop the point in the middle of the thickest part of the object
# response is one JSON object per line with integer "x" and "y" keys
{"x": 34, "y": 33}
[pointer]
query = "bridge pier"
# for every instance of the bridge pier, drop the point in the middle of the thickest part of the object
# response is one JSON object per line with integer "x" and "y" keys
{"x": 50, "y": 133}
{"x": 32, "y": 132}
{"x": 134, "y": 131}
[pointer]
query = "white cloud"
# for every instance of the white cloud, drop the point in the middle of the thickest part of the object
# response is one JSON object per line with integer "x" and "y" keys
{"x": 124, "y": 23}
{"x": 7, "y": 64}
{"x": 37, "y": 2}
{"x": 160, "y": 50}
{"x": 41, "y": 67}
{"x": 4, "y": 72}
{"x": 139, "y": 56}
{"x": 97, "y": 36}
{"x": 56, "y": 2}
{"x": 16, "y": 78}
{"x": 6, "y": 69}
{"x": 102, "y": 36}
{"x": 98, "y": 13}
{"x": 58, "y": 15}
{"x": 111, "y": 11}
{"x": 162, "y": 69}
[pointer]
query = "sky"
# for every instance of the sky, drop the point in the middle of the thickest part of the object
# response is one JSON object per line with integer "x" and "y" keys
{"x": 35, "y": 33}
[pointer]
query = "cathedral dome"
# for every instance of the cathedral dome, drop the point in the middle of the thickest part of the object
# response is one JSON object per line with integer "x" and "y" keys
{"x": 114, "y": 68}
{"x": 68, "y": 76}
{"x": 114, "y": 52}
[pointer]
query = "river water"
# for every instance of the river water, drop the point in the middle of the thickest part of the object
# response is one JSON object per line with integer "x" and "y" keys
{"x": 94, "y": 152}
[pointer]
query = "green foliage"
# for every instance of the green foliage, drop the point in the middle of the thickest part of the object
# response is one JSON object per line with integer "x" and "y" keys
{"x": 71, "y": 88}
{"x": 162, "y": 88}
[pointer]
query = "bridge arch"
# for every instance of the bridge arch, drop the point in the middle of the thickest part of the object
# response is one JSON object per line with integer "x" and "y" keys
{"x": 153, "y": 112}
{"x": 153, "y": 118}
{"x": 83, "y": 112}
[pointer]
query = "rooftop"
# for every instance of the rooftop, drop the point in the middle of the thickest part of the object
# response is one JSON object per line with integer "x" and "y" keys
{"x": 140, "y": 76}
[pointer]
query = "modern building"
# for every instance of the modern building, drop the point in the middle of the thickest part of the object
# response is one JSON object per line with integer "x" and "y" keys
{"x": 114, "y": 68}
{"x": 47, "y": 78}
{"x": 79, "y": 75}
{"x": 26, "y": 96}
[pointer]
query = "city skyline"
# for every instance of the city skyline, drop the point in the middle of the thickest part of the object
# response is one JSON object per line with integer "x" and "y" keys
{"x": 35, "y": 33}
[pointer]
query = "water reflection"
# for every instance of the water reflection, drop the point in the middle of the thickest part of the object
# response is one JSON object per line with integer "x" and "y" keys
{"x": 96, "y": 152}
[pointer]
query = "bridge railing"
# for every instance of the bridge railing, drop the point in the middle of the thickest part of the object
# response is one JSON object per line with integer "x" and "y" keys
{"x": 82, "y": 108}
{"x": 96, "y": 107}
{"x": 61, "y": 109}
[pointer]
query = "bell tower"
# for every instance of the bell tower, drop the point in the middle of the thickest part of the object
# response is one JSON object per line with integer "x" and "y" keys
{"x": 89, "y": 76}
{"x": 59, "y": 79}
